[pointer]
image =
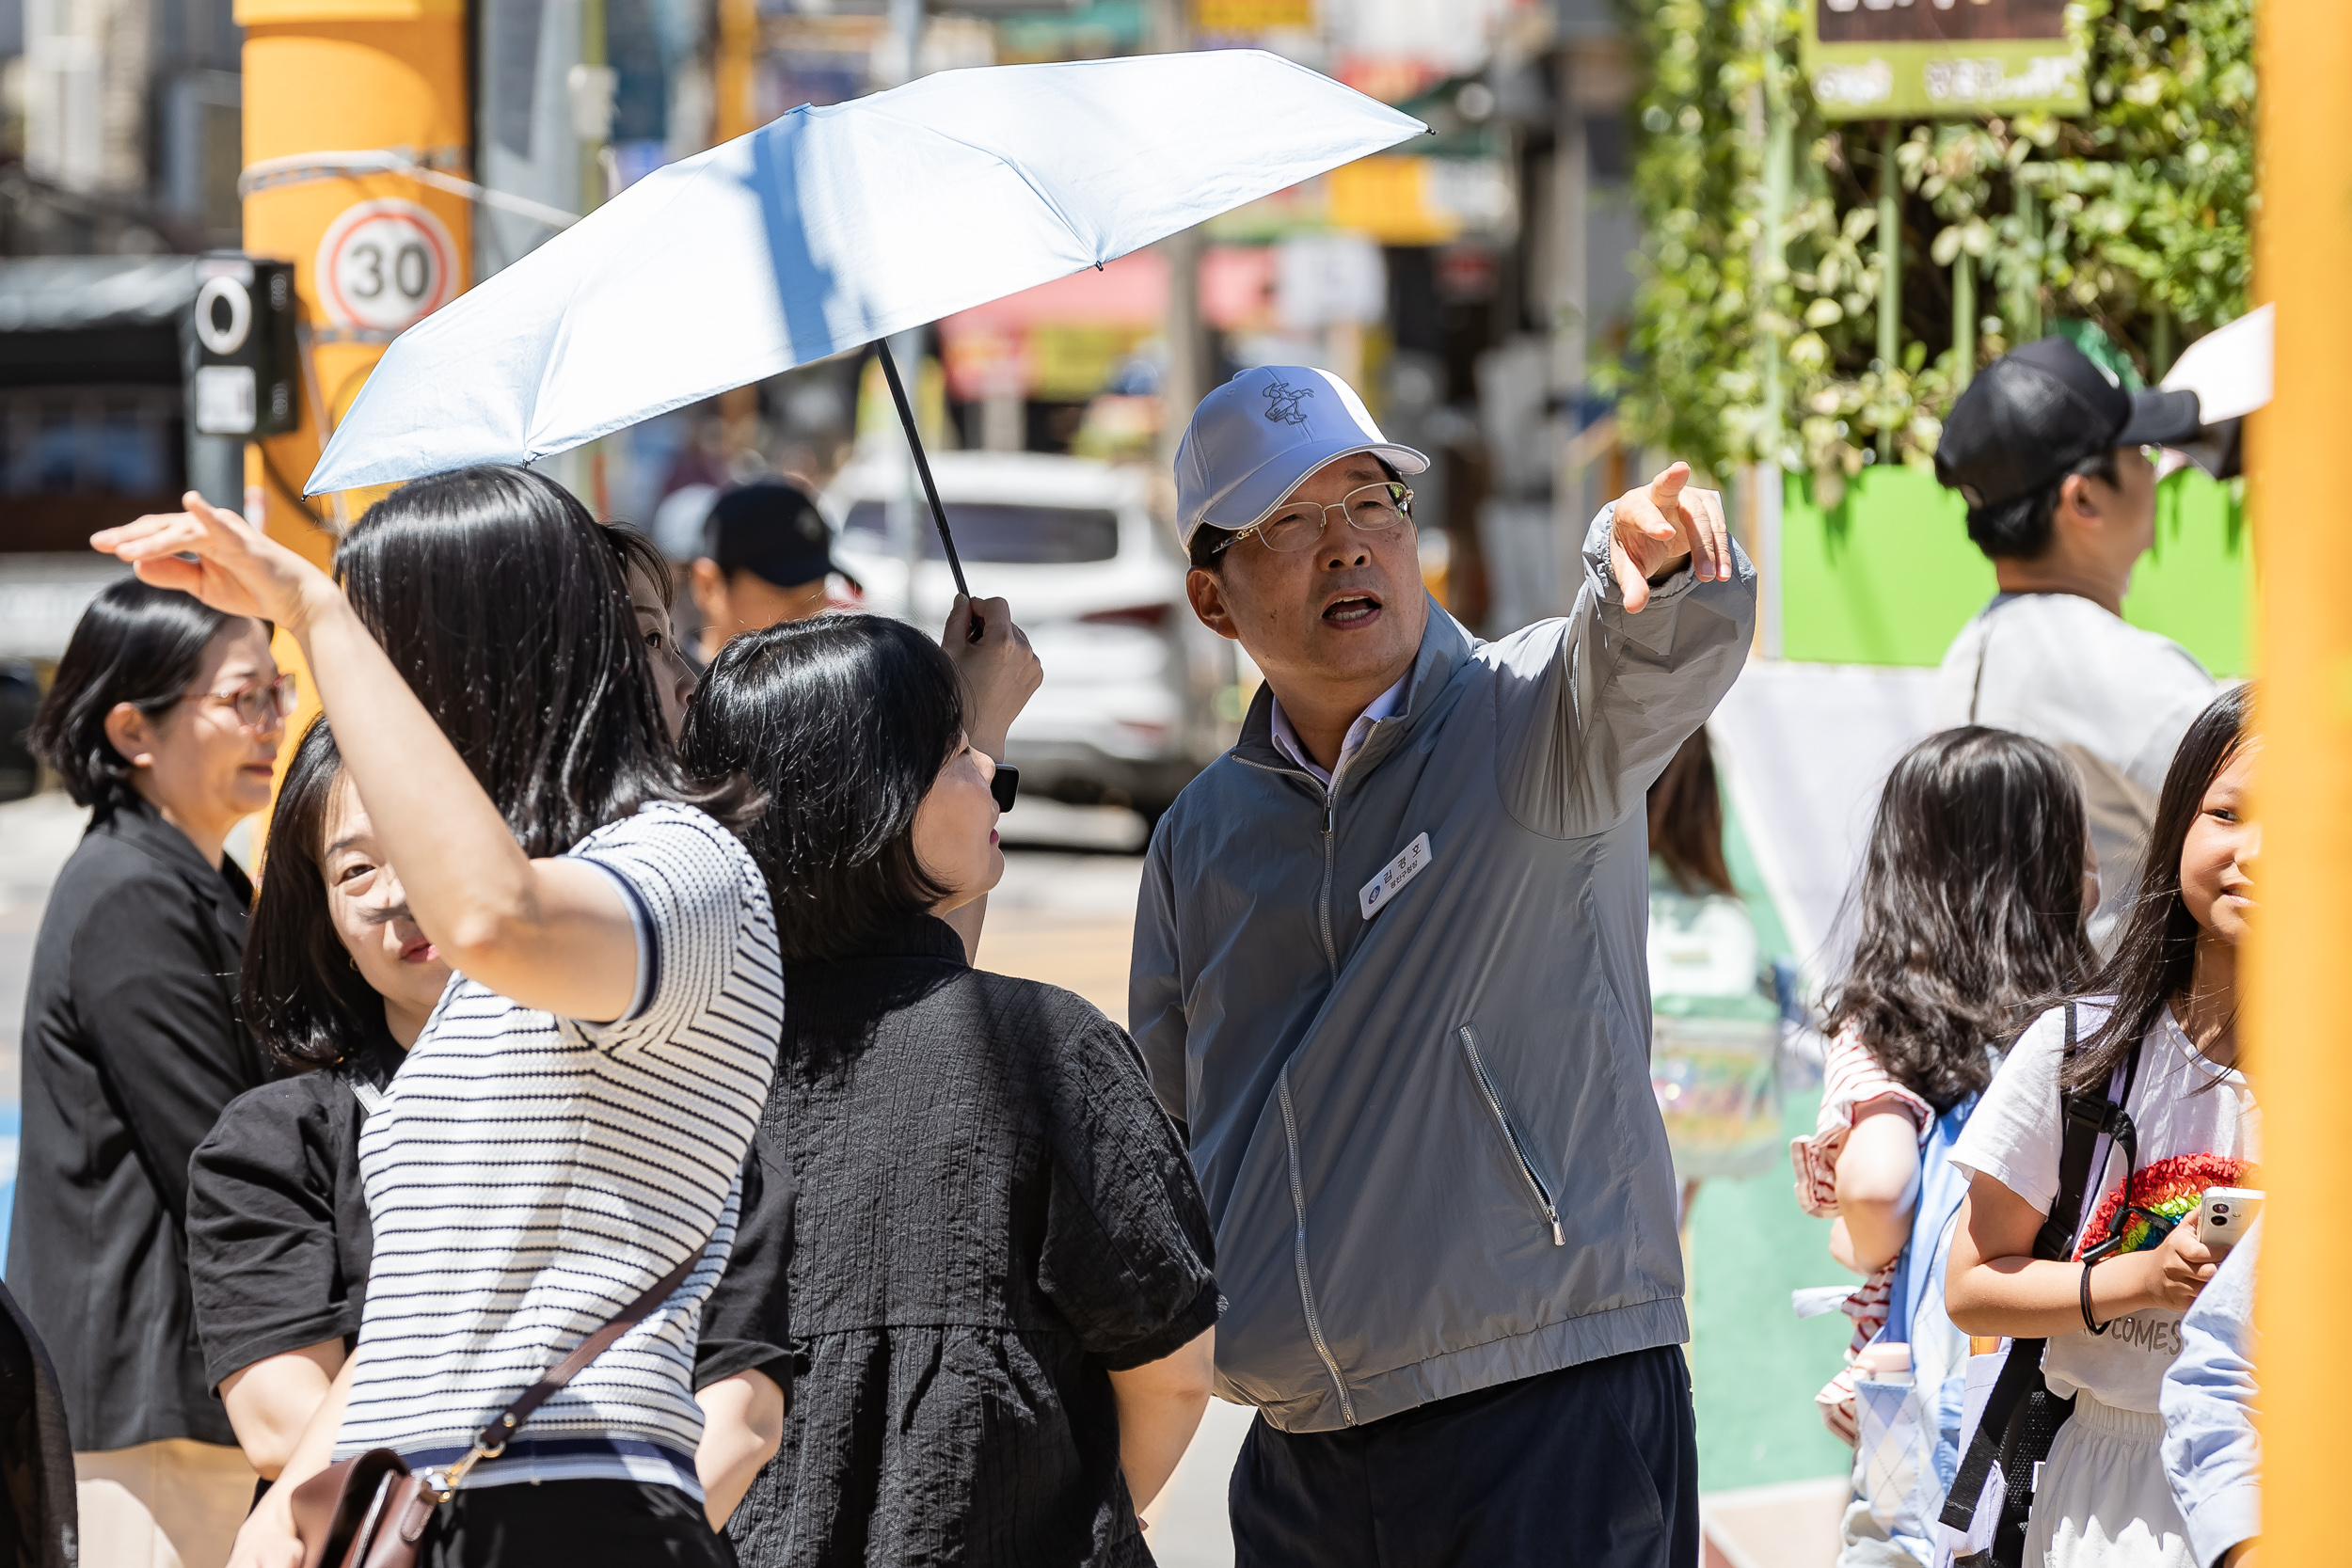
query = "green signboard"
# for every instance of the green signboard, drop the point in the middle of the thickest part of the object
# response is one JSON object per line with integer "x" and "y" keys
{"x": 1879, "y": 59}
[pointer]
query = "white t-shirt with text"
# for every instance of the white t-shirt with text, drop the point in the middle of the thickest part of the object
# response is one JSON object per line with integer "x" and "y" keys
{"x": 2183, "y": 1105}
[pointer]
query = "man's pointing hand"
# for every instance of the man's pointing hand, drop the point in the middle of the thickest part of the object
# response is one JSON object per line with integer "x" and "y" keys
{"x": 1660, "y": 526}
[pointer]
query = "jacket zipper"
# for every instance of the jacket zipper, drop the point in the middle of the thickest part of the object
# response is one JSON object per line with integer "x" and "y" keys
{"x": 1330, "y": 838}
{"x": 1298, "y": 1252}
{"x": 1289, "y": 1123}
{"x": 1494, "y": 1103}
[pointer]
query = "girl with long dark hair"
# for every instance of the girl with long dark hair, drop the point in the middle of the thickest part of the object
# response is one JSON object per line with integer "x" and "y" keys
{"x": 1969, "y": 916}
{"x": 164, "y": 721}
{"x": 570, "y": 1126}
{"x": 1001, "y": 1265}
{"x": 2156, "y": 1031}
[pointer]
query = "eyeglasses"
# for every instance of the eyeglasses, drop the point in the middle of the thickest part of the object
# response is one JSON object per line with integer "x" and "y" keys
{"x": 1372, "y": 509}
{"x": 259, "y": 706}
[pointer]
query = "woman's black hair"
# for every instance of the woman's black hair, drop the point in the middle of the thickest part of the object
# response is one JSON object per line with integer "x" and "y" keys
{"x": 1969, "y": 915}
{"x": 843, "y": 722}
{"x": 503, "y": 604}
{"x": 304, "y": 998}
{"x": 1686, "y": 821}
{"x": 134, "y": 645}
{"x": 2157, "y": 952}
{"x": 636, "y": 553}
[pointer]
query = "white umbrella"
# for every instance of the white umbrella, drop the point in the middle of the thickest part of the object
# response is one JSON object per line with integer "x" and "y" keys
{"x": 836, "y": 226}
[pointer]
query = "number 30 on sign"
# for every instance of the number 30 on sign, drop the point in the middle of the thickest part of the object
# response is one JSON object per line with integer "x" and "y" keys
{"x": 385, "y": 264}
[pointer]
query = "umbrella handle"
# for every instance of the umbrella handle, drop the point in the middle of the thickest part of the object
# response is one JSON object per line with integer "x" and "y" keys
{"x": 923, "y": 466}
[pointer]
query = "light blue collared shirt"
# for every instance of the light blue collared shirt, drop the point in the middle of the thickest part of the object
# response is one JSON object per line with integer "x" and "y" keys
{"x": 1287, "y": 742}
{"x": 2212, "y": 1455}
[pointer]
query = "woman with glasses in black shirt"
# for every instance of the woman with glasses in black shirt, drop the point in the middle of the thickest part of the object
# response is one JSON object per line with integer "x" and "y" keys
{"x": 165, "y": 720}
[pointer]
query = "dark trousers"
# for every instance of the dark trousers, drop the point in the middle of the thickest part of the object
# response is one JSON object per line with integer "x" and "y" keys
{"x": 577, "y": 1523}
{"x": 1593, "y": 1465}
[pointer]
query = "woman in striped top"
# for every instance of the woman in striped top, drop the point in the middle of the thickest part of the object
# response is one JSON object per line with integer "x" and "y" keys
{"x": 571, "y": 1125}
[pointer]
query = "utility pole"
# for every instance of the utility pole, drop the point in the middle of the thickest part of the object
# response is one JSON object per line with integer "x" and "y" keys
{"x": 734, "y": 89}
{"x": 1185, "y": 382}
{"x": 373, "y": 250}
{"x": 2295, "y": 1039}
{"x": 1890, "y": 236}
{"x": 733, "y": 68}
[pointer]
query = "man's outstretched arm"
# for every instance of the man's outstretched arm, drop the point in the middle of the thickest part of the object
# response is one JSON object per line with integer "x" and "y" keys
{"x": 1659, "y": 630}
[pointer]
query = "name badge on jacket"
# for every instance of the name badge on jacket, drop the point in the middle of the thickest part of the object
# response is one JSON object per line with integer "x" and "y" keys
{"x": 1409, "y": 864}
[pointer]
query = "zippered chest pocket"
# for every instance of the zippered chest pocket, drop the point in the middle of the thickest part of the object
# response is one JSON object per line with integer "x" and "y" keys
{"x": 1538, "y": 1191}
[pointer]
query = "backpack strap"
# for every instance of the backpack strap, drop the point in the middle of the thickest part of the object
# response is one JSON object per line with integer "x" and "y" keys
{"x": 2086, "y": 1115}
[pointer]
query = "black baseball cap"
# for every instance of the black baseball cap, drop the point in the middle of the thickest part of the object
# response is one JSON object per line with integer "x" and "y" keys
{"x": 2033, "y": 414}
{"x": 771, "y": 530}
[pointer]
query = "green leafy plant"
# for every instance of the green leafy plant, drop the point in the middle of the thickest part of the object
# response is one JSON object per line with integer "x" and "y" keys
{"x": 2128, "y": 227}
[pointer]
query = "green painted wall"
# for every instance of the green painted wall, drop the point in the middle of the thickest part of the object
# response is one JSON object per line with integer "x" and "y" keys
{"x": 1888, "y": 576}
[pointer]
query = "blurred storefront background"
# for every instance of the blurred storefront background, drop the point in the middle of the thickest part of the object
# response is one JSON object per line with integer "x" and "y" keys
{"x": 1462, "y": 283}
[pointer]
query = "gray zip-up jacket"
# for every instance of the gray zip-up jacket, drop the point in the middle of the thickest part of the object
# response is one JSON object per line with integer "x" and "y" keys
{"x": 1427, "y": 1139}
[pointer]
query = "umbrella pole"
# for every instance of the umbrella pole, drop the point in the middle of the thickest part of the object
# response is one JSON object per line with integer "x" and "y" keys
{"x": 923, "y": 466}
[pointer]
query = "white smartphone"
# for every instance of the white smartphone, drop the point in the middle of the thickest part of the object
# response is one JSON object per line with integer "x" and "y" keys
{"x": 2225, "y": 1214}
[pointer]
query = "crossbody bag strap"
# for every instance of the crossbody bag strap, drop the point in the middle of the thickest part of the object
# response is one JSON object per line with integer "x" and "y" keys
{"x": 492, "y": 1439}
{"x": 2085, "y": 1117}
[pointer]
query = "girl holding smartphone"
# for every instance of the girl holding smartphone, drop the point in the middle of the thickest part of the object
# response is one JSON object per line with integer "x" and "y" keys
{"x": 2157, "y": 1033}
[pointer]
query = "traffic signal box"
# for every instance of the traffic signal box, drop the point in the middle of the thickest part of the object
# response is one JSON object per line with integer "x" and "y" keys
{"x": 245, "y": 381}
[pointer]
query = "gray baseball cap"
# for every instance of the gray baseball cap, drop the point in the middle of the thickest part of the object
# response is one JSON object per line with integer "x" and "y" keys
{"x": 1253, "y": 440}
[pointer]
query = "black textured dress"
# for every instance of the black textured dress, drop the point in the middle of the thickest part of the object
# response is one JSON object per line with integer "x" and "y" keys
{"x": 995, "y": 1213}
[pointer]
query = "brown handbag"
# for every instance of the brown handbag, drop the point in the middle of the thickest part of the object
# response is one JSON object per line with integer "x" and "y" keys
{"x": 370, "y": 1511}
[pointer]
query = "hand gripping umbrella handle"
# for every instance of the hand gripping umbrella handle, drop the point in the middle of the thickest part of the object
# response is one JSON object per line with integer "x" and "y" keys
{"x": 923, "y": 466}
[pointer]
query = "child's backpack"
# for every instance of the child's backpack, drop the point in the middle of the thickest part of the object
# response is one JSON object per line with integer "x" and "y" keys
{"x": 1908, "y": 1449}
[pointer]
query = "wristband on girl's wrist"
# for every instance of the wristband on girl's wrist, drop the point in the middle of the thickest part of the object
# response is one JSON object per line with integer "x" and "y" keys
{"x": 2088, "y": 1321}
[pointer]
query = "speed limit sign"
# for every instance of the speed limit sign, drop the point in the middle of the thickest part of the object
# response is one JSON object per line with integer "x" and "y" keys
{"x": 385, "y": 264}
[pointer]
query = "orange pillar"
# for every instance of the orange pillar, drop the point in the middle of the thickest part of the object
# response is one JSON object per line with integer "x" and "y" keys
{"x": 2301, "y": 1050}
{"x": 372, "y": 251}
{"x": 734, "y": 65}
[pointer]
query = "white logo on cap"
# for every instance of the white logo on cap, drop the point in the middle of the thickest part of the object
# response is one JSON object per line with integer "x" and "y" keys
{"x": 1282, "y": 403}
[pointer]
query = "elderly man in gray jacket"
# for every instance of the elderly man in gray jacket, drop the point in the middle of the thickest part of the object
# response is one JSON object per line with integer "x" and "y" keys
{"x": 1388, "y": 974}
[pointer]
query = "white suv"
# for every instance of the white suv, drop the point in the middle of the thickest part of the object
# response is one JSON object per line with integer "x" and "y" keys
{"x": 1128, "y": 713}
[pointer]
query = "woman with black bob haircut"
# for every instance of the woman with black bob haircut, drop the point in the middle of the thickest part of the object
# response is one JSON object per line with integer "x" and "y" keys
{"x": 568, "y": 1130}
{"x": 1001, "y": 1262}
{"x": 845, "y": 728}
{"x": 164, "y": 721}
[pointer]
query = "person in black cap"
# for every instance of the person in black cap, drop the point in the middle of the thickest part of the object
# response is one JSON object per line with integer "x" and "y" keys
{"x": 2052, "y": 456}
{"x": 766, "y": 555}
